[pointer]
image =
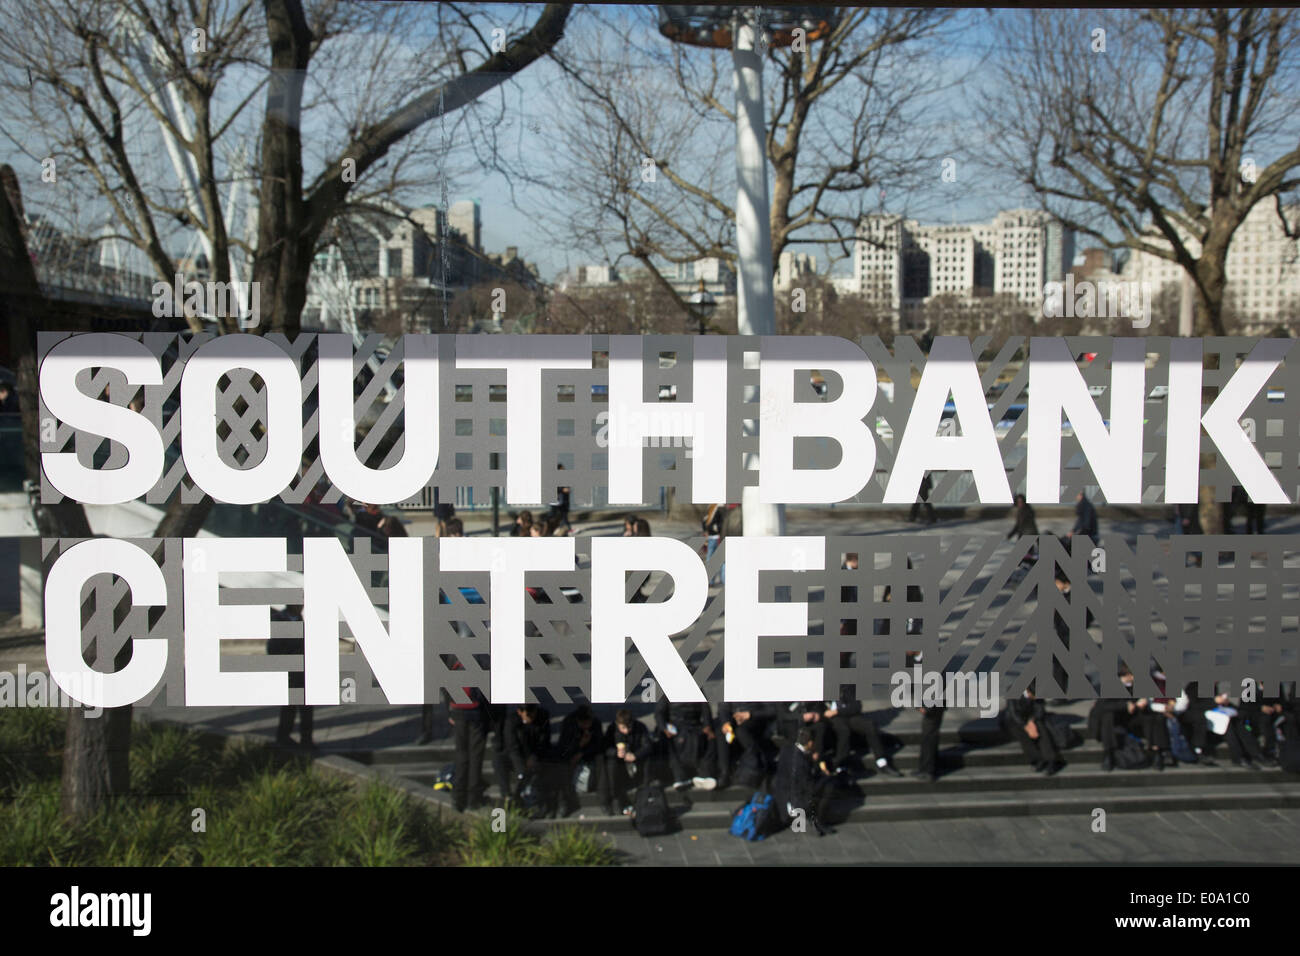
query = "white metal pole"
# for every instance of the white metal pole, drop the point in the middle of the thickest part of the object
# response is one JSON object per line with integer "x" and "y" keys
{"x": 755, "y": 306}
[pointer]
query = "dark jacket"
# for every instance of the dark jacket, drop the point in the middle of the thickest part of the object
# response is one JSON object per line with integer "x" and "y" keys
{"x": 1085, "y": 519}
{"x": 1025, "y": 522}
{"x": 1022, "y": 710}
{"x": 757, "y": 711}
{"x": 639, "y": 740}
{"x": 683, "y": 716}
{"x": 524, "y": 741}
{"x": 570, "y": 743}
{"x": 478, "y": 707}
{"x": 795, "y": 780}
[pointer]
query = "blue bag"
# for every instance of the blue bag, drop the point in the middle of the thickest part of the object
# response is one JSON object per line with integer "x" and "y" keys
{"x": 754, "y": 820}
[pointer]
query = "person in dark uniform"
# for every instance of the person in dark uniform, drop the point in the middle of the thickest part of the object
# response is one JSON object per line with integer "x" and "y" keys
{"x": 1234, "y": 506}
{"x": 803, "y": 781}
{"x": 1085, "y": 519}
{"x": 1226, "y": 724}
{"x": 301, "y": 712}
{"x": 931, "y": 723}
{"x": 1110, "y": 719}
{"x": 443, "y": 512}
{"x": 1254, "y": 517}
{"x": 628, "y": 747}
{"x": 743, "y": 728}
{"x": 581, "y": 742}
{"x": 1026, "y": 720}
{"x": 528, "y": 745}
{"x": 923, "y": 501}
{"x": 469, "y": 726}
{"x": 844, "y": 719}
{"x": 1025, "y": 522}
{"x": 1259, "y": 720}
{"x": 713, "y": 525}
{"x": 1187, "y": 520}
{"x": 559, "y": 510}
{"x": 688, "y": 730}
{"x": 794, "y": 716}
{"x": 454, "y": 528}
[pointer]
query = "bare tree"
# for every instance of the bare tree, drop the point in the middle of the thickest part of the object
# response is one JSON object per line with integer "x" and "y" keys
{"x": 1156, "y": 131}
{"x": 645, "y": 142}
{"x": 813, "y": 306}
{"x": 82, "y": 83}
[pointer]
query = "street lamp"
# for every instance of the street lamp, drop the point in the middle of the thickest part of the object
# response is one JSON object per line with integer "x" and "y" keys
{"x": 747, "y": 31}
{"x": 702, "y": 305}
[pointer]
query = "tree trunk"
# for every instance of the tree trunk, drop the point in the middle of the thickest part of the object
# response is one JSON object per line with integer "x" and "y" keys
{"x": 283, "y": 250}
{"x": 1210, "y": 285}
{"x": 95, "y": 756}
{"x": 96, "y": 761}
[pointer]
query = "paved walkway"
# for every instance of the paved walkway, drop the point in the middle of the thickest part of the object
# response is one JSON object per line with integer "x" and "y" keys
{"x": 1220, "y": 836}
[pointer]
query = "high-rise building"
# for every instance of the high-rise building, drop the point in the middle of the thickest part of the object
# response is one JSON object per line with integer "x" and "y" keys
{"x": 901, "y": 262}
{"x": 878, "y": 259}
{"x": 465, "y": 218}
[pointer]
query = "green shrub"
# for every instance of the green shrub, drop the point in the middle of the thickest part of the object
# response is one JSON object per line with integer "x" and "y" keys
{"x": 31, "y": 739}
{"x": 141, "y": 832}
{"x": 380, "y": 826}
{"x": 259, "y": 809}
{"x": 165, "y": 761}
{"x": 514, "y": 845}
{"x": 574, "y": 846}
{"x": 32, "y": 831}
{"x": 278, "y": 818}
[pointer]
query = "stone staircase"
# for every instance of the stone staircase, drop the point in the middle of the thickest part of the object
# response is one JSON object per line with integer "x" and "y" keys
{"x": 983, "y": 774}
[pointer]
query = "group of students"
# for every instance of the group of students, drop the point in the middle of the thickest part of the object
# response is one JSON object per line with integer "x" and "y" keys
{"x": 690, "y": 747}
{"x": 1164, "y": 731}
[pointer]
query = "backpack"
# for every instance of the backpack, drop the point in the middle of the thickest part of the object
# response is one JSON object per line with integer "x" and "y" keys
{"x": 753, "y": 768}
{"x": 651, "y": 815}
{"x": 1131, "y": 755}
{"x": 755, "y": 820}
{"x": 1062, "y": 734}
{"x": 1178, "y": 744}
{"x": 446, "y": 779}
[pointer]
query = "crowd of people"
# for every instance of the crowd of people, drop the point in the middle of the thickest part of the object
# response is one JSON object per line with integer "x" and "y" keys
{"x": 803, "y": 752}
{"x": 690, "y": 746}
{"x": 1165, "y": 731}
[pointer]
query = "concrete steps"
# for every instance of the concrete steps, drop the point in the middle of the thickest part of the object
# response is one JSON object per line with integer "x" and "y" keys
{"x": 982, "y": 776}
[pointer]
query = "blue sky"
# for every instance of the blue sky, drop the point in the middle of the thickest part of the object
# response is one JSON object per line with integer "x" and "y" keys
{"x": 532, "y": 95}
{"x": 514, "y": 209}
